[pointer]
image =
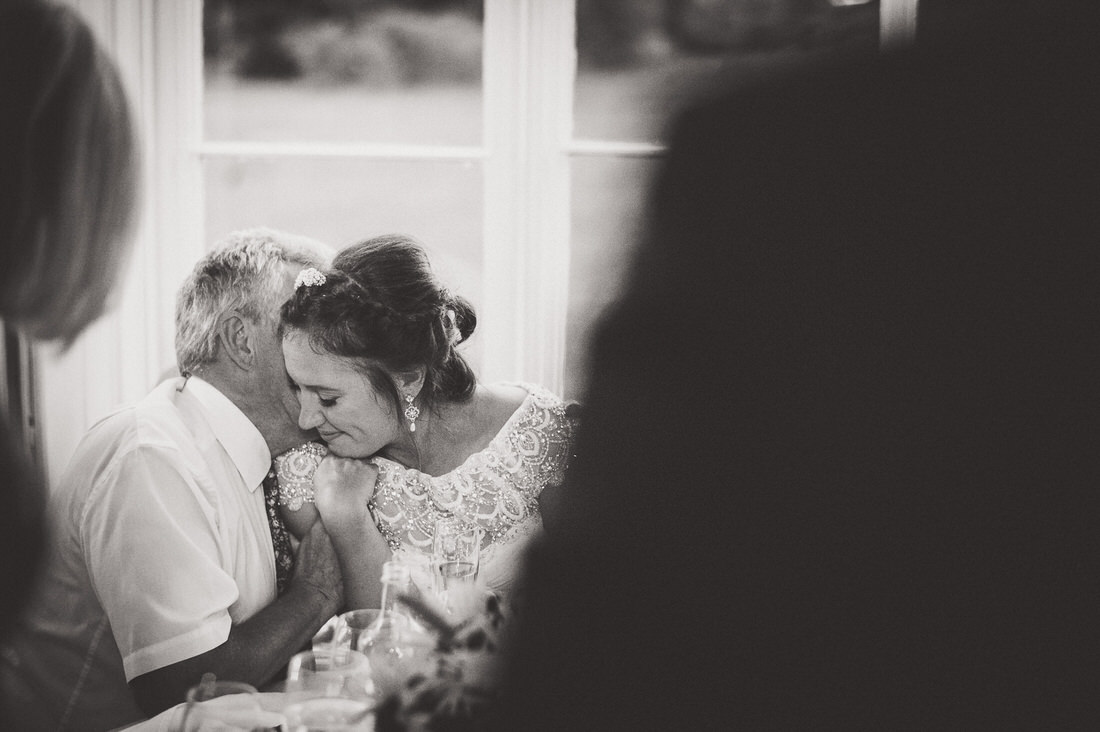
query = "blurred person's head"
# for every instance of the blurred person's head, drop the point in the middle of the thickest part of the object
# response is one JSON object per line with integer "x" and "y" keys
{"x": 381, "y": 312}
{"x": 851, "y": 390}
{"x": 68, "y": 179}
{"x": 227, "y": 315}
{"x": 68, "y": 171}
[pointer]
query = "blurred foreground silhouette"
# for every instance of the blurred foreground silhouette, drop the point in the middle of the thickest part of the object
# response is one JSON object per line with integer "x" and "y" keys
{"x": 837, "y": 468}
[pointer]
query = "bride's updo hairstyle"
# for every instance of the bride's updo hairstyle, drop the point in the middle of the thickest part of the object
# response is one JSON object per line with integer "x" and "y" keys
{"x": 381, "y": 305}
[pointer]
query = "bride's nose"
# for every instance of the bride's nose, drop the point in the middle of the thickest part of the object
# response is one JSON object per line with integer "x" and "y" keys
{"x": 309, "y": 417}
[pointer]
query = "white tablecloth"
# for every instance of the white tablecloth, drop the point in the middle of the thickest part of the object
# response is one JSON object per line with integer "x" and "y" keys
{"x": 170, "y": 719}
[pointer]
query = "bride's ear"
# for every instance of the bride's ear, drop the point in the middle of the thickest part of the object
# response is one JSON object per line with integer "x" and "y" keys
{"x": 410, "y": 382}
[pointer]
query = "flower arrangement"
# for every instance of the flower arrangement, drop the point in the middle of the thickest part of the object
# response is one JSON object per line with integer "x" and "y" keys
{"x": 459, "y": 688}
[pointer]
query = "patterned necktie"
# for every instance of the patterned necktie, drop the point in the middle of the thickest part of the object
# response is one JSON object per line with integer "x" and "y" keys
{"x": 280, "y": 537}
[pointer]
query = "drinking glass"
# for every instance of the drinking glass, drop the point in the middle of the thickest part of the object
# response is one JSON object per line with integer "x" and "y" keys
{"x": 329, "y": 714}
{"x": 456, "y": 550}
{"x": 351, "y": 626}
{"x": 324, "y": 637}
{"x": 329, "y": 672}
{"x": 229, "y": 706}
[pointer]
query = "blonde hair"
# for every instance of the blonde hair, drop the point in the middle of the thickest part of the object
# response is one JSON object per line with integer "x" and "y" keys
{"x": 68, "y": 169}
{"x": 245, "y": 272}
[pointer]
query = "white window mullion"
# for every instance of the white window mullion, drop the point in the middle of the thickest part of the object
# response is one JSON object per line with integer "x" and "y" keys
{"x": 605, "y": 148}
{"x": 529, "y": 66}
{"x": 178, "y": 94}
{"x": 342, "y": 150}
{"x": 897, "y": 23}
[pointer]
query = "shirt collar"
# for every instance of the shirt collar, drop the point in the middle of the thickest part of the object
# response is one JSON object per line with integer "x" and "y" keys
{"x": 242, "y": 441}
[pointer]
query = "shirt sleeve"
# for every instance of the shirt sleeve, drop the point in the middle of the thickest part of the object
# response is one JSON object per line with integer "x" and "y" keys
{"x": 150, "y": 537}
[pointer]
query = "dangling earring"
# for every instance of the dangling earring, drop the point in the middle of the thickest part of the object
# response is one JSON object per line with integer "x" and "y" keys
{"x": 411, "y": 412}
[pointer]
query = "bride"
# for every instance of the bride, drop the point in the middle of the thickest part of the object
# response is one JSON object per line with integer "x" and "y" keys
{"x": 370, "y": 347}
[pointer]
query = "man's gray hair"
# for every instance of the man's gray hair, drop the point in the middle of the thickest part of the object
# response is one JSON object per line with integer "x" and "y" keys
{"x": 245, "y": 272}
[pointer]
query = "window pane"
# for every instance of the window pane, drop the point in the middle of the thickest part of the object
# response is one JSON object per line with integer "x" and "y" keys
{"x": 345, "y": 71}
{"x": 639, "y": 60}
{"x": 343, "y": 201}
{"x": 609, "y": 198}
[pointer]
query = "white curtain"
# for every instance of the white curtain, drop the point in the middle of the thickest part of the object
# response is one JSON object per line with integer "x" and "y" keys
{"x": 157, "y": 46}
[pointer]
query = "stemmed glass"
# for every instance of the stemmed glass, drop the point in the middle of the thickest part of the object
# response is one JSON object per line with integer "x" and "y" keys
{"x": 231, "y": 706}
{"x": 328, "y": 689}
{"x": 351, "y": 628}
{"x": 329, "y": 714}
{"x": 456, "y": 560}
{"x": 328, "y": 672}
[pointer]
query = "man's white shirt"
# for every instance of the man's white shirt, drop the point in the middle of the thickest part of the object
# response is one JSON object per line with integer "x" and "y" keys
{"x": 159, "y": 545}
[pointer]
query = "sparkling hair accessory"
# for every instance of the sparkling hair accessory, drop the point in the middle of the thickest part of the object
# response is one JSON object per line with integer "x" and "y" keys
{"x": 454, "y": 335}
{"x": 448, "y": 315}
{"x": 310, "y": 277}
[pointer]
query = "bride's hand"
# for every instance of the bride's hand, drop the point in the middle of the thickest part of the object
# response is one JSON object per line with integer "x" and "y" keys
{"x": 342, "y": 488}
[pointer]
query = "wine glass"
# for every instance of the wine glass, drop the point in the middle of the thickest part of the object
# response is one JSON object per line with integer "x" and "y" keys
{"x": 230, "y": 706}
{"x": 329, "y": 714}
{"x": 351, "y": 627}
{"x": 328, "y": 672}
{"x": 456, "y": 552}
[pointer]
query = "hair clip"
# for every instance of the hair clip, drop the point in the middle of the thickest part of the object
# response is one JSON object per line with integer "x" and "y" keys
{"x": 454, "y": 335}
{"x": 310, "y": 277}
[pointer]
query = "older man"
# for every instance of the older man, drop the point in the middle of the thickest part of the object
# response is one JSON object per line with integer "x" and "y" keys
{"x": 162, "y": 565}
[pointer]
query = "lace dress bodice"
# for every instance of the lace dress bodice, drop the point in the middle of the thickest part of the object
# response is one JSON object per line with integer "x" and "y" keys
{"x": 496, "y": 489}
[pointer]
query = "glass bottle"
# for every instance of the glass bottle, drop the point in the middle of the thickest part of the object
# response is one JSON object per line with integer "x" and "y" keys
{"x": 394, "y": 644}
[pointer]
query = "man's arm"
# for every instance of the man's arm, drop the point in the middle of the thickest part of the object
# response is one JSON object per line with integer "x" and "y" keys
{"x": 260, "y": 647}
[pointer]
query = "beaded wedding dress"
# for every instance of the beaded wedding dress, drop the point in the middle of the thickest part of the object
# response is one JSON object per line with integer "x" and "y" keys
{"x": 495, "y": 489}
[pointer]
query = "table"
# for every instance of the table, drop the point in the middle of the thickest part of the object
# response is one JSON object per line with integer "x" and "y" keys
{"x": 169, "y": 720}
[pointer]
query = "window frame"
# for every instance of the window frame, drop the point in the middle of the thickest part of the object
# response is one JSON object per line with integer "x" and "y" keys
{"x": 529, "y": 65}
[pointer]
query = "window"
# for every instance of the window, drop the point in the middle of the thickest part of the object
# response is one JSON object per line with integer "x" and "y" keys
{"x": 343, "y": 121}
{"x": 527, "y": 180}
{"x": 525, "y": 170}
{"x": 639, "y": 62}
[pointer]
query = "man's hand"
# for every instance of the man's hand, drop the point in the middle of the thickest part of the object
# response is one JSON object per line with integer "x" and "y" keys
{"x": 317, "y": 567}
{"x": 259, "y": 648}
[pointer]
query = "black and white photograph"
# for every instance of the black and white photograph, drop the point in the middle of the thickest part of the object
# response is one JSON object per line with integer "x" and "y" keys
{"x": 549, "y": 365}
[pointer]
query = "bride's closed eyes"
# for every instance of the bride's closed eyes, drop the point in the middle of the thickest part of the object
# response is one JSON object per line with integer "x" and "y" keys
{"x": 323, "y": 401}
